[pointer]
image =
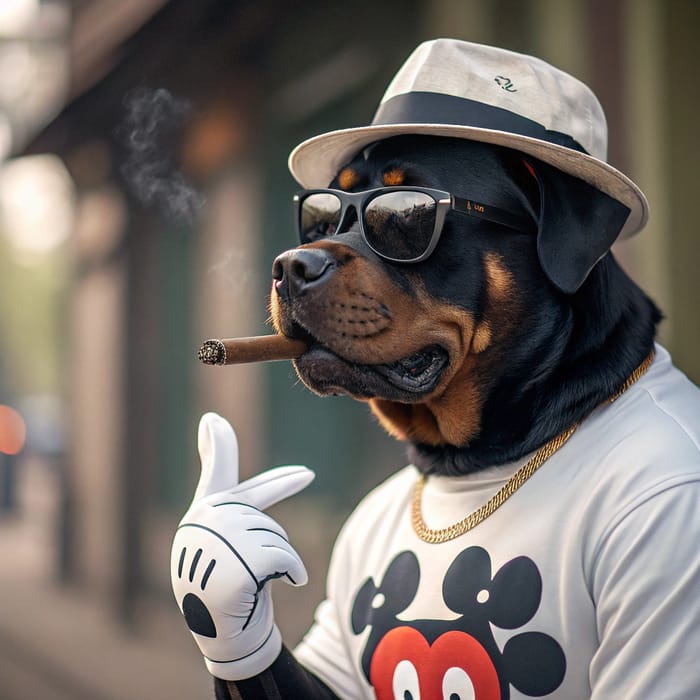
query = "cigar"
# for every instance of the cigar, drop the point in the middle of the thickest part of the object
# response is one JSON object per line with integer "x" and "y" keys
{"x": 261, "y": 348}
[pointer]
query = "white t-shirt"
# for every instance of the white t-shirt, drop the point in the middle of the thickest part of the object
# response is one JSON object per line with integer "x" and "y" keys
{"x": 584, "y": 584}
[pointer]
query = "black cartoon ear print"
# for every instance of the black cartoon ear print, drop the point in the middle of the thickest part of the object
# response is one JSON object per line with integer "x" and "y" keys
{"x": 378, "y": 606}
{"x": 395, "y": 593}
{"x": 362, "y": 607}
{"x": 515, "y": 593}
{"x": 466, "y": 580}
{"x": 534, "y": 663}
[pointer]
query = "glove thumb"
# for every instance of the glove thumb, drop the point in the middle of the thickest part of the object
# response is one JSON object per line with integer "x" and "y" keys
{"x": 218, "y": 453}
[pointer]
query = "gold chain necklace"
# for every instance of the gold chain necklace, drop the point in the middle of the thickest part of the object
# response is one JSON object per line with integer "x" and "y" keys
{"x": 511, "y": 486}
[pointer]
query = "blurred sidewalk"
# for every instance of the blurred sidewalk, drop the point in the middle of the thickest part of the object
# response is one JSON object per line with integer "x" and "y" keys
{"x": 56, "y": 644}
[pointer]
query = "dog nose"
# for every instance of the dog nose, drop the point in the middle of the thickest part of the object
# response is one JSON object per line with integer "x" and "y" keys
{"x": 296, "y": 270}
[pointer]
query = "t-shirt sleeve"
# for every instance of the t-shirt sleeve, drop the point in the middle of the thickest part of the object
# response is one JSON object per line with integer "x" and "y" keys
{"x": 324, "y": 650}
{"x": 324, "y": 653}
{"x": 645, "y": 582}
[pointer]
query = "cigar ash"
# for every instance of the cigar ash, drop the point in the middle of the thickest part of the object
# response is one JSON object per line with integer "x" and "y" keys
{"x": 212, "y": 352}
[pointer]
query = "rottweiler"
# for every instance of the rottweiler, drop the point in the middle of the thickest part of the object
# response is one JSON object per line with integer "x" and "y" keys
{"x": 458, "y": 277}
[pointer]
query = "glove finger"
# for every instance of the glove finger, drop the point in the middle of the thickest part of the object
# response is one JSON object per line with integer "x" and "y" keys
{"x": 249, "y": 520}
{"x": 218, "y": 452}
{"x": 272, "y": 486}
{"x": 278, "y": 559}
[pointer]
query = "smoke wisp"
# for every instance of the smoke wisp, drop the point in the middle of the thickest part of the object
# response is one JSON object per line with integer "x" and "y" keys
{"x": 151, "y": 134}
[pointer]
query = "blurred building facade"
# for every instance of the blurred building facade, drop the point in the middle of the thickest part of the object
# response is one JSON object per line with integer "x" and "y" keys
{"x": 175, "y": 129}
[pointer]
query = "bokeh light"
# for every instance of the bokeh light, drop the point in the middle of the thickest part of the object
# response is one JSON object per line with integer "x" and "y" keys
{"x": 13, "y": 431}
{"x": 16, "y": 16}
{"x": 36, "y": 203}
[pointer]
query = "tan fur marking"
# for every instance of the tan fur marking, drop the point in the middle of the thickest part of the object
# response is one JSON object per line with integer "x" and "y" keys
{"x": 482, "y": 337}
{"x": 348, "y": 178}
{"x": 500, "y": 281}
{"x": 458, "y": 410}
{"x": 407, "y": 421}
{"x": 500, "y": 287}
{"x": 393, "y": 177}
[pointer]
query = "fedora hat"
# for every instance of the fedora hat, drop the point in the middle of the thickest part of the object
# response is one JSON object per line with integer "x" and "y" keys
{"x": 470, "y": 91}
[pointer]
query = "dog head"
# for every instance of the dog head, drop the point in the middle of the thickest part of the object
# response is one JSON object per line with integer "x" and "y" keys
{"x": 449, "y": 350}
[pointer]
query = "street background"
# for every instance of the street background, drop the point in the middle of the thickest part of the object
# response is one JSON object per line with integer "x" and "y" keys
{"x": 143, "y": 195}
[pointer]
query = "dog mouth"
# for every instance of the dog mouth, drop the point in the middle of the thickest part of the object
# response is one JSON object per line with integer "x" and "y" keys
{"x": 407, "y": 379}
{"x": 415, "y": 372}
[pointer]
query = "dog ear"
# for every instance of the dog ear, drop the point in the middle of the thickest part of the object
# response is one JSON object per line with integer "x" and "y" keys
{"x": 577, "y": 225}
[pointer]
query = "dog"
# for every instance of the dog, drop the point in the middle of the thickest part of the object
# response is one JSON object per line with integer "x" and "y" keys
{"x": 542, "y": 541}
{"x": 476, "y": 347}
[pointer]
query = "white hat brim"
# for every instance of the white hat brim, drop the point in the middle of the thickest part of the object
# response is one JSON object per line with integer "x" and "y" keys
{"x": 316, "y": 161}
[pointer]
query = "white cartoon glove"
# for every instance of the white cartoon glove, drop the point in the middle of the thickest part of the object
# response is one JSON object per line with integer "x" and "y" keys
{"x": 226, "y": 550}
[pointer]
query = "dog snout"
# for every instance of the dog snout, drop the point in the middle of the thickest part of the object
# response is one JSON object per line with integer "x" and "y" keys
{"x": 296, "y": 270}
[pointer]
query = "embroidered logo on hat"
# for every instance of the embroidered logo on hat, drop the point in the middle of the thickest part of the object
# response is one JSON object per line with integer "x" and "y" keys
{"x": 505, "y": 83}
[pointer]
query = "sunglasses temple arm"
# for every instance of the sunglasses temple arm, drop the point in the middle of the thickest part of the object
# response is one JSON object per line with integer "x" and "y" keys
{"x": 491, "y": 213}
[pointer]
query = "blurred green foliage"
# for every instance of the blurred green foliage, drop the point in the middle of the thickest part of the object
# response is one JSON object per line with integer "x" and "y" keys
{"x": 33, "y": 320}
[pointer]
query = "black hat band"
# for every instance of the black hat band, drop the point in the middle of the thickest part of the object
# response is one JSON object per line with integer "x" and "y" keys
{"x": 439, "y": 108}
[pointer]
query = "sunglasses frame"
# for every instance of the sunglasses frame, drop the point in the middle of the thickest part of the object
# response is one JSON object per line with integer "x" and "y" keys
{"x": 444, "y": 201}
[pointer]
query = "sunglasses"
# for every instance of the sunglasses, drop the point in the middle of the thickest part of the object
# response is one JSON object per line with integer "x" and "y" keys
{"x": 400, "y": 224}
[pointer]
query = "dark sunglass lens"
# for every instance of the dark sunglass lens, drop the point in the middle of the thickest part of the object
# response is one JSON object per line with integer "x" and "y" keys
{"x": 319, "y": 216}
{"x": 400, "y": 225}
